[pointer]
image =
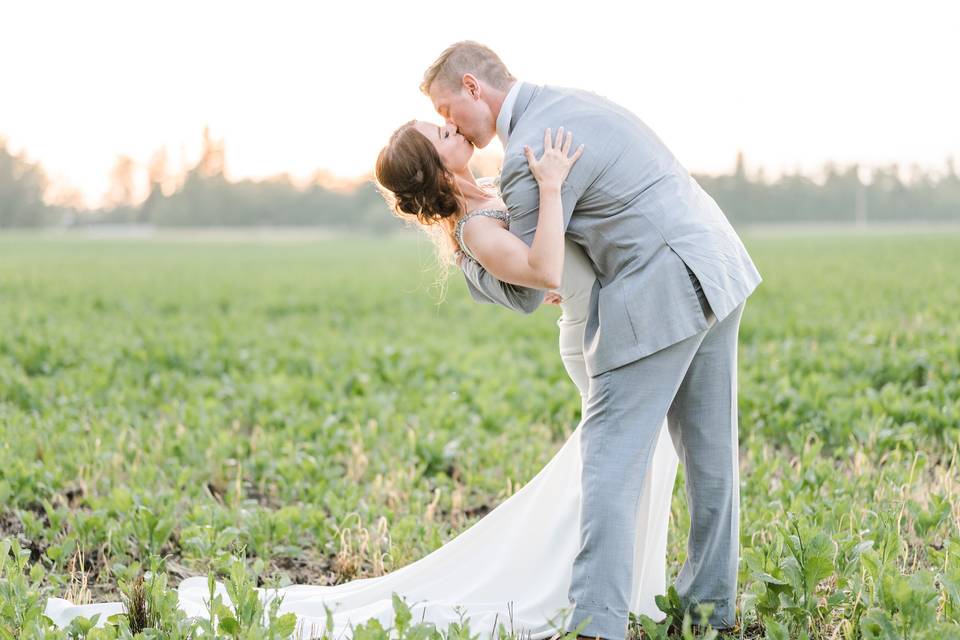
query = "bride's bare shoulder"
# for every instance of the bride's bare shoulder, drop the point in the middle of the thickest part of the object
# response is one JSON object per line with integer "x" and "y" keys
{"x": 489, "y": 216}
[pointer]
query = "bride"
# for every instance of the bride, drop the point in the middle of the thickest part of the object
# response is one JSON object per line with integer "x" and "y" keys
{"x": 512, "y": 567}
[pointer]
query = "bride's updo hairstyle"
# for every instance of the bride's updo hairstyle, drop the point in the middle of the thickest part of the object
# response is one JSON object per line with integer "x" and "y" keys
{"x": 410, "y": 168}
{"x": 420, "y": 189}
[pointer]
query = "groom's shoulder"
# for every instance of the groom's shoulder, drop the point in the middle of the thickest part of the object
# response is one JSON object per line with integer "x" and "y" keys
{"x": 556, "y": 105}
{"x": 562, "y": 99}
{"x": 590, "y": 116}
{"x": 557, "y": 90}
{"x": 576, "y": 97}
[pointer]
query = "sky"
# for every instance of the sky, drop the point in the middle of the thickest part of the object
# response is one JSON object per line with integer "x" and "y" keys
{"x": 297, "y": 87}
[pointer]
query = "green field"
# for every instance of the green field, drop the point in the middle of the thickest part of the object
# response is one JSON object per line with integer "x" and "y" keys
{"x": 308, "y": 412}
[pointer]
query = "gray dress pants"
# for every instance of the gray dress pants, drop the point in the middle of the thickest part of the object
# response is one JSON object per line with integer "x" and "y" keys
{"x": 694, "y": 384}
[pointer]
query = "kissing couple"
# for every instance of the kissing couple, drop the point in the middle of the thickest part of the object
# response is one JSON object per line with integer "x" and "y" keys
{"x": 590, "y": 211}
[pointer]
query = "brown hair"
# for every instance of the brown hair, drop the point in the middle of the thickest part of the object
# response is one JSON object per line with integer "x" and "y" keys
{"x": 419, "y": 188}
{"x": 467, "y": 57}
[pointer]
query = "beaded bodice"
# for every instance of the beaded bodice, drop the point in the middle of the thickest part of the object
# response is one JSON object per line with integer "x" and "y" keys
{"x": 492, "y": 213}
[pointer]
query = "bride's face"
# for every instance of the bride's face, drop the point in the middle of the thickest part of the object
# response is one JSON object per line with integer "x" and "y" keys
{"x": 454, "y": 150}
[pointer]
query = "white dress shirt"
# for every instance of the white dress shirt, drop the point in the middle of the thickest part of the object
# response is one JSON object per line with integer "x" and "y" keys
{"x": 503, "y": 119}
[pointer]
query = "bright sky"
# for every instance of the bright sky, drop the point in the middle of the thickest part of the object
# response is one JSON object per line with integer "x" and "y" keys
{"x": 299, "y": 86}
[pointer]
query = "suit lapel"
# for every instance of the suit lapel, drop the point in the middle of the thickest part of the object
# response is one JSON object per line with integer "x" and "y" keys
{"x": 524, "y": 97}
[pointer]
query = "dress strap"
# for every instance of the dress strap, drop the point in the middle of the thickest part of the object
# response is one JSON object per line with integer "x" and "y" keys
{"x": 492, "y": 213}
{"x": 491, "y": 181}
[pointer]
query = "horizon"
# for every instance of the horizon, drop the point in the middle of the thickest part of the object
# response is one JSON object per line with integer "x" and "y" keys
{"x": 875, "y": 90}
{"x": 486, "y": 161}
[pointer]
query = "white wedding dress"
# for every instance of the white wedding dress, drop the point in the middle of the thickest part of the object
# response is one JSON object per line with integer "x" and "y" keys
{"x": 517, "y": 559}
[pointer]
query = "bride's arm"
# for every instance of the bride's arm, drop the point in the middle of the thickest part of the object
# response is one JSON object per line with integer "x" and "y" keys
{"x": 507, "y": 257}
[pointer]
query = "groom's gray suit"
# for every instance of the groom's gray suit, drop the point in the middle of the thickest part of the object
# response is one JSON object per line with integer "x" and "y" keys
{"x": 660, "y": 340}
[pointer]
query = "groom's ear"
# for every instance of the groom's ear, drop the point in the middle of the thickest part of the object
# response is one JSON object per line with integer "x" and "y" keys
{"x": 471, "y": 85}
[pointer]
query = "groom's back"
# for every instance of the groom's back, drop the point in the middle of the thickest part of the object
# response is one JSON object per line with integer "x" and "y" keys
{"x": 640, "y": 217}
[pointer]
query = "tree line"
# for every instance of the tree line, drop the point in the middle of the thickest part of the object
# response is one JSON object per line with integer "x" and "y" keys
{"x": 203, "y": 196}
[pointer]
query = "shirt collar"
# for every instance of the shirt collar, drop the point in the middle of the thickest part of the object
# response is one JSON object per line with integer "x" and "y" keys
{"x": 506, "y": 111}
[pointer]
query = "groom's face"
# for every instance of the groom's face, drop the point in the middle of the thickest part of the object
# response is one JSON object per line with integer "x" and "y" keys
{"x": 465, "y": 109}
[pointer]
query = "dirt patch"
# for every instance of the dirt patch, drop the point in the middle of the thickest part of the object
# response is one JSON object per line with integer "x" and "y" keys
{"x": 12, "y": 527}
{"x": 301, "y": 570}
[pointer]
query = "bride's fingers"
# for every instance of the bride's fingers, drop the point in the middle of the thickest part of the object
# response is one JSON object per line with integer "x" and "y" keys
{"x": 528, "y": 152}
{"x": 547, "y": 140}
{"x": 567, "y": 142}
{"x": 559, "y": 138}
{"x": 576, "y": 155}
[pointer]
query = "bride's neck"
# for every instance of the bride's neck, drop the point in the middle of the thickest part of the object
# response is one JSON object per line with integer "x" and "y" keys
{"x": 473, "y": 193}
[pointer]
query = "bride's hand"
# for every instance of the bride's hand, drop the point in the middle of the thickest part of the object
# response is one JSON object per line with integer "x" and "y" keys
{"x": 553, "y": 166}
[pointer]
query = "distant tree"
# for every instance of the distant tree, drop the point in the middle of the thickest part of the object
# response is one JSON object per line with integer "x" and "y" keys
{"x": 157, "y": 169}
{"x": 740, "y": 169}
{"x": 22, "y": 185}
{"x": 212, "y": 156}
{"x": 157, "y": 177}
{"x": 121, "y": 190}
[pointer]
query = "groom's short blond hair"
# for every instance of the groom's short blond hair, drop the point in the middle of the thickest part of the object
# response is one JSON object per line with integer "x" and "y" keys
{"x": 467, "y": 57}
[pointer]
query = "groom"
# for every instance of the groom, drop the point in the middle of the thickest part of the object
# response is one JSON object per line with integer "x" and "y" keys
{"x": 661, "y": 334}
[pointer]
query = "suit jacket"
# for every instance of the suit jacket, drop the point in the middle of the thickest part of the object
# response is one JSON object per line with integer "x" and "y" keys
{"x": 641, "y": 219}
